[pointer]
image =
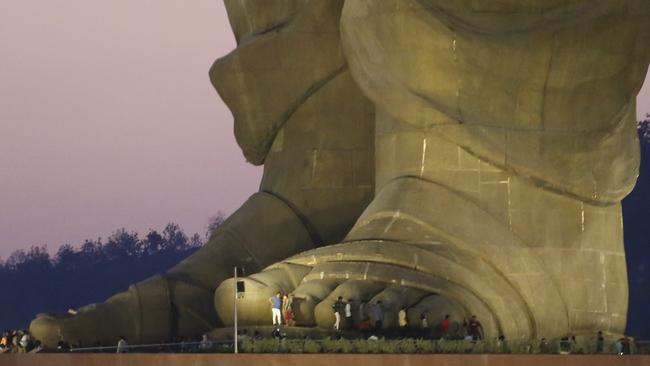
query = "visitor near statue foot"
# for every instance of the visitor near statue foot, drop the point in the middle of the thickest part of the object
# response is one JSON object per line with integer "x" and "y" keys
{"x": 349, "y": 323}
{"x": 276, "y": 306}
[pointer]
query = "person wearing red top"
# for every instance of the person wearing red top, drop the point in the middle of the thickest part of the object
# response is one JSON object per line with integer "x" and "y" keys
{"x": 444, "y": 326}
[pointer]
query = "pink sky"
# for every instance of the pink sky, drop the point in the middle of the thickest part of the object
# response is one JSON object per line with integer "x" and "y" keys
{"x": 108, "y": 120}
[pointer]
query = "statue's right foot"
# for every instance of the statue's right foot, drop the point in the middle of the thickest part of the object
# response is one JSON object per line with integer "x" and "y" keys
{"x": 397, "y": 274}
{"x": 429, "y": 239}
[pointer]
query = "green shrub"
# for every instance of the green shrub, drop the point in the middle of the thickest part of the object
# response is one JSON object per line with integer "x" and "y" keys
{"x": 345, "y": 346}
{"x": 387, "y": 346}
{"x": 403, "y": 346}
{"x": 247, "y": 346}
{"x": 479, "y": 347}
{"x": 372, "y": 346}
{"x": 331, "y": 346}
{"x": 292, "y": 346}
{"x": 467, "y": 346}
{"x": 406, "y": 346}
{"x": 522, "y": 347}
{"x": 222, "y": 348}
{"x": 269, "y": 345}
{"x": 311, "y": 346}
{"x": 361, "y": 346}
{"x": 425, "y": 346}
{"x": 446, "y": 346}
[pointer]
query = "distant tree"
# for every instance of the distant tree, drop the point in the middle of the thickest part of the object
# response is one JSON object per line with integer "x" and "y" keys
{"x": 174, "y": 238}
{"x": 92, "y": 252}
{"x": 122, "y": 244}
{"x": 213, "y": 223}
{"x": 35, "y": 282}
{"x": 152, "y": 243}
{"x": 16, "y": 259}
{"x": 67, "y": 258}
{"x": 644, "y": 128}
{"x": 196, "y": 241}
{"x": 36, "y": 259}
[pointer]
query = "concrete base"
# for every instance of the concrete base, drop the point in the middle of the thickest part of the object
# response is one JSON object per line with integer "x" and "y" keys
{"x": 315, "y": 360}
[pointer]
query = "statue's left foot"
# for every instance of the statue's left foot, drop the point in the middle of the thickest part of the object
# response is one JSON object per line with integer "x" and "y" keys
{"x": 149, "y": 311}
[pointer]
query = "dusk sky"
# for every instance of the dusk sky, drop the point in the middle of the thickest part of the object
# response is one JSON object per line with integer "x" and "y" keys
{"x": 108, "y": 120}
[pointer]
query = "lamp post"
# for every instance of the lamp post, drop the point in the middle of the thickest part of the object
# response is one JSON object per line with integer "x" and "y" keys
{"x": 234, "y": 299}
{"x": 237, "y": 288}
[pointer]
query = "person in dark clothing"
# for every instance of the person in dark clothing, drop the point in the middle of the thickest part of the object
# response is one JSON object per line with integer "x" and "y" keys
{"x": 377, "y": 314}
{"x": 475, "y": 329}
{"x": 600, "y": 342}
{"x": 544, "y": 347}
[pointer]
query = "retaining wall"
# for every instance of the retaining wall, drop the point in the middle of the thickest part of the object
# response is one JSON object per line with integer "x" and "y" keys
{"x": 315, "y": 360}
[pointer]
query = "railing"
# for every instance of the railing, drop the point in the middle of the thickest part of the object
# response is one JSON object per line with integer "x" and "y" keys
{"x": 211, "y": 346}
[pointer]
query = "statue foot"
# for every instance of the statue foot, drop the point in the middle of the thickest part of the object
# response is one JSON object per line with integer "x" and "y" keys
{"x": 317, "y": 278}
{"x": 148, "y": 311}
{"x": 74, "y": 327}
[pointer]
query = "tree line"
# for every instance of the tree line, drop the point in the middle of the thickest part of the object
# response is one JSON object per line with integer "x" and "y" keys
{"x": 35, "y": 281}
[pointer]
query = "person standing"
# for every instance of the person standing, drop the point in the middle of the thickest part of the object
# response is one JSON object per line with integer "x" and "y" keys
{"x": 377, "y": 314}
{"x": 122, "y": 345}
{"x": 424, "y": 325}
{"x": 362, "y": 311}
{"x": 205, "y": 343}
{"x": 402, "y": 321}
{"x": 474, "y": 329}
{"x": 444, "y": 326}
{"x": 348, "y": 314}
{"x": 287, "y": 311}
{"x": 285, "y": 303}
{"x": 4, "y": 342}
{"x": 15, "y": 342}
{"x": 338, "y": 308}
{"x": 276, "y": 309}
{"x": 544, "y": 347}
{"x": 600, "y": 342}
{"x": 26, "y": 342}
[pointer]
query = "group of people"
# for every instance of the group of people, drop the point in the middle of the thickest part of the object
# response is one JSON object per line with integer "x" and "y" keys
{"x": 18, "y": 341}
{"x": 370, "y": 316}
{"x": 569, "y": 344}
{"x": 282, "y": 310}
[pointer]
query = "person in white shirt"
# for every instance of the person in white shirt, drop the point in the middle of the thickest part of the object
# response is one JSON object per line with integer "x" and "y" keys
{"x": 25, "y": 341}
{"x": 122, "y": 345}
{"x": 338, "y": 308}
{"x": 348, "y": 314}
{"x": 206, "y": 343}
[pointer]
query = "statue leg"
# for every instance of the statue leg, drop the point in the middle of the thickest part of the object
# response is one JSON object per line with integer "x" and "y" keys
{"x": 315, "y": 184}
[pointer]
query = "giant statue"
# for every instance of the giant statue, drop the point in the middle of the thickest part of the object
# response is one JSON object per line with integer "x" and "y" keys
{"x": 453, "y": 157}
